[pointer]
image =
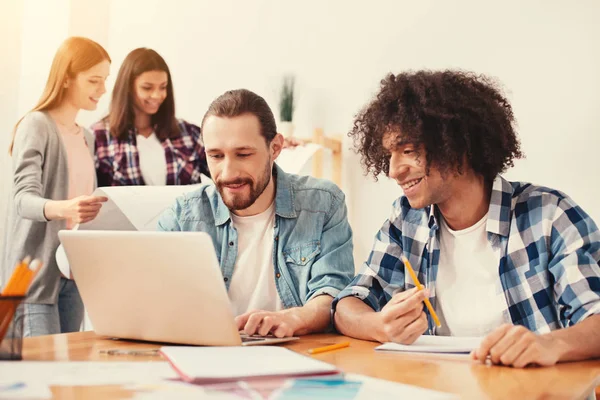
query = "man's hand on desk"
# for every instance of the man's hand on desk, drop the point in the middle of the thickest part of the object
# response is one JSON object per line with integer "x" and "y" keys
{"x": 279, "y": 323}
{"x": 517, "y": 346}
{"x": 314, "y": 316}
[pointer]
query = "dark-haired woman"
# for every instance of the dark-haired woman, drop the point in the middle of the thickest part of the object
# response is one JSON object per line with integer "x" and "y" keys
{"x": 140, "y": 141}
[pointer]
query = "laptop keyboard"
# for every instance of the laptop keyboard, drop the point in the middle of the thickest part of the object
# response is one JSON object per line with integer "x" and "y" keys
{"x": 255, "y": 338}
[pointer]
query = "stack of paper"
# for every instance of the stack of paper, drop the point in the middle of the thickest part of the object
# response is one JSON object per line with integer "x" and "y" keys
{"x": 220, "y": 364}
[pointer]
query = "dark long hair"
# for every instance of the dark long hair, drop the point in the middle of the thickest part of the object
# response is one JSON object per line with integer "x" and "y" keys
{"x": 121, "y": 116}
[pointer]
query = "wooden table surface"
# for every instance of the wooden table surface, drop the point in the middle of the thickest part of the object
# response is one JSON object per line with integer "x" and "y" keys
{"x": 453, "y": 374}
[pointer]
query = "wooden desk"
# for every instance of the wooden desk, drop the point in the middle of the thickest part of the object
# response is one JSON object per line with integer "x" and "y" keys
{"x": 454, "y": 374}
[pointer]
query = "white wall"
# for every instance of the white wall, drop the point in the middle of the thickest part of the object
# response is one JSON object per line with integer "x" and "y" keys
{"x": 32, "y": 31}
{"x": 10, "y": 27}
{"x": 544, "y": 52}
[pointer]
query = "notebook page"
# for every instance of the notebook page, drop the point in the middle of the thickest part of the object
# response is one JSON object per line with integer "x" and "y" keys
{"x": 435, "y": 344}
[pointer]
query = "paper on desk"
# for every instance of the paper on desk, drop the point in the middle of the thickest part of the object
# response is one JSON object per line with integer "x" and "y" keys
{"x": 348, "y": 387}
{"x": 22, "y": 390}
{"x": 373, "y": 388}
{"x": 129, "y": 208}
{"x": 435, "y": 344}
{"x": 179, "y": 390}
{"x": 84, "y": 373}
{"x": 293, "y": 159}
{"x": 213, "y": 364}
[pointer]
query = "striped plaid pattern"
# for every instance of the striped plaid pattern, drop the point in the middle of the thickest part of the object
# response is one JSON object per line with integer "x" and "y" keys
{"x": 118, "y": 162}
{"x": 548, "y": 247}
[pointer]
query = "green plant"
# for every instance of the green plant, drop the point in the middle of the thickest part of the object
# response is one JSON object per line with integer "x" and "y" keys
{"x": 286, "y": 100}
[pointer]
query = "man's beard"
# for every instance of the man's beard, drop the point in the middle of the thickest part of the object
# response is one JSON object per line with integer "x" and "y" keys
{"x": 241, "y": 201}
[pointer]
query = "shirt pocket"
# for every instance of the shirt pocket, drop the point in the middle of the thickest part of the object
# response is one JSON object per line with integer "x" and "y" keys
{"x": 302, "y": 256}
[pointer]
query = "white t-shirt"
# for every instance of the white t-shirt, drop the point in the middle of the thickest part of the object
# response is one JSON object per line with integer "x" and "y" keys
{"x": 253, "y": 281}
{"x": 153, "y": 163}
{"x": 470, "y": 299}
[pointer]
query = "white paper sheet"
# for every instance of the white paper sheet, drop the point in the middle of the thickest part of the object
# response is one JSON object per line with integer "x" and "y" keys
{"x": 157, "y": 379}
{"x": 229, "y": 363}
{"x": 22, "y": 390}
{"x": 435, "y": 344}
{"x": 129, "y": 208}
{"x": 134, "y": 207}
{"x": 293, "y": 159}
{"x": 84, "y": 373}
{"x": 381, "y": 389}
{"x": 274, "y": 389}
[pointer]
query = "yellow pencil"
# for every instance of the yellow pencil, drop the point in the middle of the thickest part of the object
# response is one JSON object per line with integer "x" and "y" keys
{"x": 323, "y": 349}
{"x": 420, "y": 287}
{"x": 13, "y": 287}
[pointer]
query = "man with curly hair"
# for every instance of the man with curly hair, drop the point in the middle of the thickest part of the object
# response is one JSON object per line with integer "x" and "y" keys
{"x": 509, "y": 261}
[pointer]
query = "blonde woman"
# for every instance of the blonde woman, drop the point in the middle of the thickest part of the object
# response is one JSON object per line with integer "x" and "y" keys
{"x": 54, "y": 177}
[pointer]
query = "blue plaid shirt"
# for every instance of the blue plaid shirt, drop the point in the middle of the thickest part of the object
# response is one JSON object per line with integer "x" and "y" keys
{"x": 549, "y": 256}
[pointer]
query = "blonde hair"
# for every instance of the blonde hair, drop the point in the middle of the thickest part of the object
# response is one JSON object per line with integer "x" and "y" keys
{"x": 76, "y": 54}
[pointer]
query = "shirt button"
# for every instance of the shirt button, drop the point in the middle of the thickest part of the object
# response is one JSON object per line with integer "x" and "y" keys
{"x": 226, "y": 279}
{"x": 276, "y": 238}
{"x": 278, "y": 275}
{"x": 231, "y": 243}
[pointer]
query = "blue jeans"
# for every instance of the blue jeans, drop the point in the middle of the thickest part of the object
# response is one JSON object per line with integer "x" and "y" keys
{"x": 63, "y": 317}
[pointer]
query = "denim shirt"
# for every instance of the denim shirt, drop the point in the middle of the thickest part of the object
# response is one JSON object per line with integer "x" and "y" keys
{"x": 312, "y": 243}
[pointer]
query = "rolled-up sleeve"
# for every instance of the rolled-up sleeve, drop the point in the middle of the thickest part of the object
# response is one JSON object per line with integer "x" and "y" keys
{"x": 334, "y": 267}
{"x": 575, "y": 244}
{"x": 381, "y": 274}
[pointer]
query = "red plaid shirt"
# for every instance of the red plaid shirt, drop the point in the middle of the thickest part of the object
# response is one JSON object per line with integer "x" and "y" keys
{"x": 118, "y": 162}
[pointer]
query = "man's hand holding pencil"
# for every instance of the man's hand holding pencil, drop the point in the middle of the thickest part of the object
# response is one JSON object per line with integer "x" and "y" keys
{"x": 403, "y": 319}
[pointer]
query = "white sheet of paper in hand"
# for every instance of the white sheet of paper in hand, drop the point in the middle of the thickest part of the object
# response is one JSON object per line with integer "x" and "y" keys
{"x": 134, "y": 207}
{"x": 293, "y": 159}
{"x": 435, "y": 344}
{"x": 129, "y": 208}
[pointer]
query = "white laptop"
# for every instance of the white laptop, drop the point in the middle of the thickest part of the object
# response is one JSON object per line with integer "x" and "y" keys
{"x": 154, "y": 286}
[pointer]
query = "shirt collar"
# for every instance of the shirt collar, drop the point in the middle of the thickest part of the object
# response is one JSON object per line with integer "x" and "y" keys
{"x": 498, "y": 220}
{"x": 500, "y": 207}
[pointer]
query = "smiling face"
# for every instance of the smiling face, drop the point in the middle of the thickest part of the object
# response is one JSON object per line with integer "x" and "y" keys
{"x": 150, "y": 89}
{"x": 408, "y": 168}
{"x": 87, "y": 87}
{"x": 241, "y": 162}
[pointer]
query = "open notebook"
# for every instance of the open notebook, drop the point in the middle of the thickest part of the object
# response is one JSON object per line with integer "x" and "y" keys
{"x": 222, "y": 364}
{"x": 435, "y": 344}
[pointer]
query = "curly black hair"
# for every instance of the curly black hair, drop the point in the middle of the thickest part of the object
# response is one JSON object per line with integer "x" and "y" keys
{"x": 453, "y": 114}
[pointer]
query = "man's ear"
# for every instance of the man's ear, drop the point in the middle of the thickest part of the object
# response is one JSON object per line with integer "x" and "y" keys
{"x": 276, "y": 146}
{"x": 66, "y": 83}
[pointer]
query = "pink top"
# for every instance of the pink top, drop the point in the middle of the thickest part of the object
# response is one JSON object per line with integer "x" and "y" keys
{"x": 82, "y": 172}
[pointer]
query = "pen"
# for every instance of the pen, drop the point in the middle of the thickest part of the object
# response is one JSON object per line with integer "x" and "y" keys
{"x": 329, "y": 348}
{"x": 132, "y": 352}
{"x": 420, "y": 287}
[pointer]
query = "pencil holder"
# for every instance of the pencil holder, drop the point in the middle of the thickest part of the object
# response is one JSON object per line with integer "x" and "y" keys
{"x": 11, "y": 327}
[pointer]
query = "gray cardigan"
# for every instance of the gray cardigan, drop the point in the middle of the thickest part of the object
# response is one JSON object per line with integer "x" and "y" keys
{"x": 40, "y": 174}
